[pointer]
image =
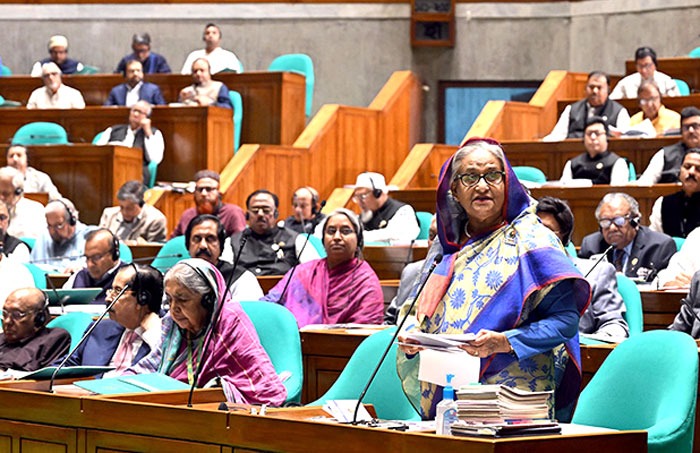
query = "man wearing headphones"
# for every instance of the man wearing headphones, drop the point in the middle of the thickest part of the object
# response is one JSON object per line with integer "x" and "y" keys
{"x": 134, "y": 327}
{"x": 637, "y": 251}
{"x": 205, "y": 237}
{"x": 26, "y": 343}
{"x": 102, "y": 264}
{"x": 61, "y": 246}
{"x": 138, "y": 133}
{"x": 34, "y": 180}
{"x": 383, "y": 218}
{"x": 307, "y": 211}
{"x": 26, "y": 216}
{"x": 134, "y": 221}
{"x": 645, "y": 59}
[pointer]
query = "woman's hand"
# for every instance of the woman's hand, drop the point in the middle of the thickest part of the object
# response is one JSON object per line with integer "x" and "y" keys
{"x": 487, "y": 343}
{"x": 410, "y": 350}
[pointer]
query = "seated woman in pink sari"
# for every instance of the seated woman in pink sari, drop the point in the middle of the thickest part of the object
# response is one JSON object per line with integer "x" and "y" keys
{"x": 200, "y": 308}
{"x": 341, "y": 288}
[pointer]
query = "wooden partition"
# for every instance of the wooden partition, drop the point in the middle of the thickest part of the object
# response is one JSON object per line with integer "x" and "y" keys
{"x": 195, "y": 137}
{"x": 684, "y": 68}
{"x": 676, "y": 103}
{"x": 273, "y": 102}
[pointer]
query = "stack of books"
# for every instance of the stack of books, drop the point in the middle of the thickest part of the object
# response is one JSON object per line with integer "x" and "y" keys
{"x": 500, "y": 410}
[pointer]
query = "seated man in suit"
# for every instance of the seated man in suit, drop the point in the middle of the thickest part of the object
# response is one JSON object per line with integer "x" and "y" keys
{"x": 133, "y": 330}
{"x": 102, "y": 263}
{"x": 205, "y": 237}
{"x": 573, "y": 118}
{"x": 688, "y": 318}
{"x": 604, "y": 316}
{"x": 632, "y": 248}
{"x": 58, "y": 53}
{"x": 134, "y": 221}
{"x": 204, "y": 90}
{"x": 679, "y": 213}
{"x": 26, "y": 343}
{"x": 152, "y": 62}
{"x": 134, "y": 88}
{"x": 138, "y": 133}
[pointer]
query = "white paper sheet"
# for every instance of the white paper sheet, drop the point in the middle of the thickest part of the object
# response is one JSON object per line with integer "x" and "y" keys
{"x": 436, "y": 365}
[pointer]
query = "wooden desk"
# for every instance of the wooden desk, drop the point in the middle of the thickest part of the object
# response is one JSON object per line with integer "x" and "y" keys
{"x": 273, "y": 102}
{"x": 195, "y": 137}
{"x": 34, "y": 421}
{"x": 684, "y": 68}
{"x": 660, "y": 308}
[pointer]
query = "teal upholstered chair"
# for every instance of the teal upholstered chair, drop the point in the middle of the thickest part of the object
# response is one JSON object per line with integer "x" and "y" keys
{"x": 97, "y": 137}
{"x": 40, "y": 133}
{"x": 679, "y": 242}
{"x": 38, "y": 274}
{"x": 125, "y": 253}
{"x": 5, "y": 71}
{"x": 531, "y": 174}
{"x": 317, "y": 244}
{"x": 237, "y": 102}
{"x": 29, "y": 241}
{"x": 6, "y": 103}
{"x": 88, "y": 70}
{"x": 424, "y": 219}
{"x": 75, "y": 323}
{"x": 166, "y": 259}
{"x": 571, "y": 249}
{"x": 279, "y": 335}
{"x": 695, "y": 53}
{"x": 632, "y": 170}
{"x": 385, "y": 393}
{"x": 633, "y": 304}
{"x": 302, "y": 63}
{"x": 648, "y": 382}
{"x": 682, "y": 87}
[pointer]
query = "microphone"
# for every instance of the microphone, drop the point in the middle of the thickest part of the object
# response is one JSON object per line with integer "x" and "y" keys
{"x": 215, "y": 316}
{"x": 149, "y": 258}
{"x": 85, "y": 336}
{"x": 436, "y": 261}
{"x": 62, "y": 300}
{"x": 291, "y": 273}
{"x": 314, "y": 221}
{"x": 597, "y": 262}
{"x": 56, "y": 258}
{"x": 410, "y": 252}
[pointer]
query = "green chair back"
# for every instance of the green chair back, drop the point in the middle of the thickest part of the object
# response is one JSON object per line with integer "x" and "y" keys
{"x": 279, "y": 335}
{"x": 683, "y": 87}
{"x": 237, "y": 102}
{"x": 317, "y": 244}
{"x": 632, "y": 170}
{"x": 38, "y": 275}
{"x": 125, "y": 253}
{"x": 40, "y": 133}
{"x": 165, "y": 259}
{"x": 29, "y": 241}
{"x": 633, "y": 304}
{"x": 301, "y": 63}
{"x": 75, "y": 323}
{"x": 695, "y": 53}
{"x": 153, "y": 172}
{"x": 385, "y": 393}
{"x": 679, "y": 242}
{"x": 571, "y": 249}
{"x": 530, "y": 174}
{"x": 5, "y": 71}
{"x": 648, "y": 382}
{"x": 424, "y": 219}
{"x": 88, "y": 70}
{"x": 97, "y": 137}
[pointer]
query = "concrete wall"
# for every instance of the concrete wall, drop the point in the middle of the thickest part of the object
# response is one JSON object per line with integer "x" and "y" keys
{"x": 355, "y": 47}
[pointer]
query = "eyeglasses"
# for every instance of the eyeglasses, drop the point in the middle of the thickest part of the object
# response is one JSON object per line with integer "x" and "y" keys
{"x": 16, "y": 315}
{"x": 344, "y": 231}
{"x": 114, "y": 291}
{"x": 57, "y": 227}
{"x": 648, "y": 101}
{"x": 594, "y": 134}
{"x": 645, "y": 66}
{"x": 687, "y": 127}
{"x": 205, "y": 189}
{"x": 266, "y": 210}
{"x": 360, "y": 197}
{"x": 619, "y": 221}
{"x": 492, "y": 178}
{"x": 95, "y": 258}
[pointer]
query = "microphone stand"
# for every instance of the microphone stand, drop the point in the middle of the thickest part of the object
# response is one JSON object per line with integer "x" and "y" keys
{"x": 291, "y": 273}
{"x": 61, "y": 301}
{"x": 436, "y": 261}
{"x": 85, "y": 336}
{"x": 597, "y": 262}
{"x": 150, "y": 258}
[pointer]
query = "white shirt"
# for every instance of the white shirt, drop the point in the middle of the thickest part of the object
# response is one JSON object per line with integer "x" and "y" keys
{"x": 27, "y": 219}
{"x": 402, "y": 228}
{"x": 652, "y": 173}
{"x": 628, "y": 86}
{"x": 132, "y": 94}
{"x": 155, "y": 145}
{"x": 686, "y": 260}
{"x": 561, "y": 129}
{"x": 619, "y": 176}
{"x": 13, "y": 276}
{"x": 655, "y": 221}
{"x": 219, "y": 59}
{"x": 64, "y": 98}
{"x": 245, "y": 288}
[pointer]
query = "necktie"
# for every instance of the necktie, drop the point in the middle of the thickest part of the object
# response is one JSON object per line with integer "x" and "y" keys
{"x": 618, "y": 261}
{"x": 124, "y": 354}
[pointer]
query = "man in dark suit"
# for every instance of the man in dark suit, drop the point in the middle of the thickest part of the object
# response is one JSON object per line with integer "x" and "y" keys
{"x": 134, "y": 327}
{"x": 134, "y": 88}
{"x": 637, "y": 251}
{"x": 688, "y": 318}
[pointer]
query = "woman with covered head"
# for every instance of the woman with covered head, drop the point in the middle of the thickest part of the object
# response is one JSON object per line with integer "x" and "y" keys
{"x": 503, "y": 277}
{"x": 195, "y": 291}
{"x": 340, "y": 288}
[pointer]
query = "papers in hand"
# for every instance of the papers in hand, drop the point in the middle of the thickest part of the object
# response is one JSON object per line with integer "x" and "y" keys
{"x": 439, "y": 341}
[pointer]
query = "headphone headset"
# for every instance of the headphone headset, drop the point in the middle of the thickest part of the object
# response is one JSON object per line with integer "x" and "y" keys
{"x": 71, "y": 215}
{"x": 314, "y": 199}
{"x": 375, "y": 192}
{"x": 208, "y": 300}
{"x": 18, "y": 191}
{"x": 142, "y": 296}
{"x": 115, "y": 246}
{"x": 41, "y": 318}
{"x": 634, "y": 222}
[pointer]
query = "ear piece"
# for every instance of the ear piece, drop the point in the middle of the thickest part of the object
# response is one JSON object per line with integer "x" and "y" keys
{"x": 247, "y": 215}
{"x": 40, "y": 318}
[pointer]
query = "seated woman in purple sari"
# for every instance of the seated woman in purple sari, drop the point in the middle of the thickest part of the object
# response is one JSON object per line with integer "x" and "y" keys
{"x": 195, "y": 291}
{"x": 341, "y": 288}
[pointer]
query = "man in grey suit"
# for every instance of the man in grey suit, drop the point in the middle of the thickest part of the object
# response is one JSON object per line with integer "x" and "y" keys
{"x": 604, "y": 316}
{"x": 636, "y": 251}
{"x": 688, "y": 318}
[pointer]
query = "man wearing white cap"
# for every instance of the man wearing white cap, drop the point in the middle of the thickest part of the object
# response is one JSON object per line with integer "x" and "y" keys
{"x": 384, "y": 218}
{"x": 58, "y": 51}
{"x": 54, "y": 94}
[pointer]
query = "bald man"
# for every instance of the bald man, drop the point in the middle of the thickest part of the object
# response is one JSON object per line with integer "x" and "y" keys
{"x": 26, "y": 343}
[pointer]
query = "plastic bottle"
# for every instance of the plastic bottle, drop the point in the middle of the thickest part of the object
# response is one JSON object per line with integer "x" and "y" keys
{"x": 446, "y": 413}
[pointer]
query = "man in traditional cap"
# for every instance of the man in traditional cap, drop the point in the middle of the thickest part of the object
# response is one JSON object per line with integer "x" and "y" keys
{"x": 58, "y": 53}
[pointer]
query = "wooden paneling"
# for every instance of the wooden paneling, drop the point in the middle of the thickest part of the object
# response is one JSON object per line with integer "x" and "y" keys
{"x": 683, "y": 68}
{"x": 676, "y": 103}
{"x": 660, "y": 308}
{"x": 388, "y": 262}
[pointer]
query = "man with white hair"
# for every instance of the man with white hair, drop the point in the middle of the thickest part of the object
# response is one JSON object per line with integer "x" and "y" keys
{"x": 54, "y": 94}
{"x": 58, "y": 53}
{"x": 383, "y": 218}
{"x": 26, "y": 216}
{"x": 10, "y": 246}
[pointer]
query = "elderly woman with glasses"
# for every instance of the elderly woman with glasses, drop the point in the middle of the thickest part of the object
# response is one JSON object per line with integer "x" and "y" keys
{"x": 341, "y": 288}
{"x": 504, "y": 277}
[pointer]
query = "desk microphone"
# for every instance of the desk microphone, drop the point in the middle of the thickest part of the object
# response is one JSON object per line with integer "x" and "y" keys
{"x": 291, "y": 273}
{"x": 597, "y": 262}
{"x": 148, "y": 258}
{"x": 85, "y": 336}
{"x": 61, "y": 300}
{"x": 436, "y": 261}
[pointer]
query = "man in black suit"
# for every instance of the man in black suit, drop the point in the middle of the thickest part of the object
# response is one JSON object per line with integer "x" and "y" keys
{"x": 134, "y": 88}
{"x": 638, "y": 252}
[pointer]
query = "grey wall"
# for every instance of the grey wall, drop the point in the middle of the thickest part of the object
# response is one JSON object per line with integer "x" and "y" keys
{"x": 355, "y": 47}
